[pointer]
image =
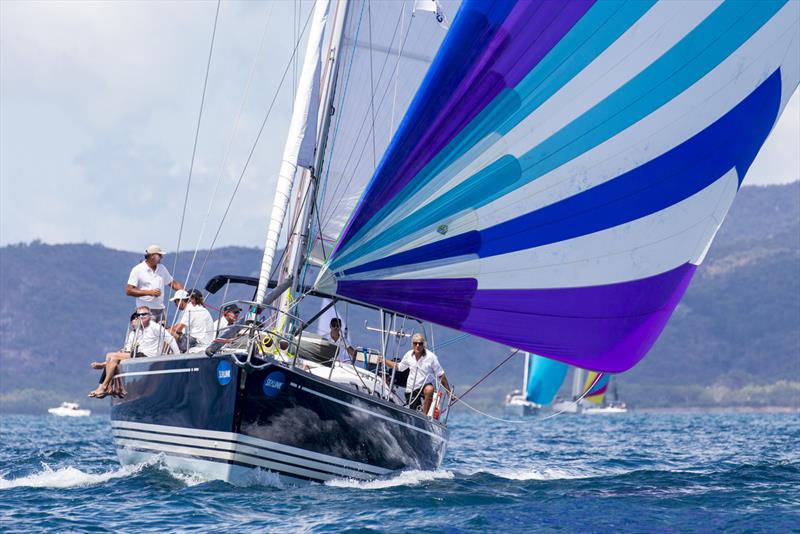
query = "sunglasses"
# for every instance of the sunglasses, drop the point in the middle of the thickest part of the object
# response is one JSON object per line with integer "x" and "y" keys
{"x": 142, "y": 315}
{"x": 417, "y": 342}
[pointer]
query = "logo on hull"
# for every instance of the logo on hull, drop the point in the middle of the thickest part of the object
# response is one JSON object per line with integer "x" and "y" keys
{"x": 273, "y": 383}
{"x": 224, "y": 373}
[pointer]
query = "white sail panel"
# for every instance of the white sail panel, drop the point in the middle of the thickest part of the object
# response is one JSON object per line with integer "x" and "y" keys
{"x": 386, "y": 51}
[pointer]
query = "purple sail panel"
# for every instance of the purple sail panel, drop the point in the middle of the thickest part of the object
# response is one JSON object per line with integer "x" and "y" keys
{"x": 490, "y": 49}
{"x": 604, "y": 328}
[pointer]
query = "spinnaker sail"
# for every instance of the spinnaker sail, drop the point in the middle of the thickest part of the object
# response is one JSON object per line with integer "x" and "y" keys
{"x": 595, "y": 392}
{"x": 544, "y": 379}
{"x": 564, "y": 167}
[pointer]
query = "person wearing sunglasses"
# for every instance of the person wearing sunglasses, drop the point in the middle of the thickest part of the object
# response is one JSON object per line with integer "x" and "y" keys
{"x": 146, "y": 338}
{"x": 424, "y": 369}
{"x": 345, "y": 352}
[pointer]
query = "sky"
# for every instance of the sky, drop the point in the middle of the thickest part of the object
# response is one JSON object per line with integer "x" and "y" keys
{"x": 98, "y": 110}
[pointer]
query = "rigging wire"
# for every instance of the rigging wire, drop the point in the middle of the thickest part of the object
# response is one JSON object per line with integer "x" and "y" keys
{"x": 524, "y": 421}
{"x": 255, "y": 144}
{"x": 224, "y": 163}
{"x": 346, "y": 184}
{"x": 196, "y": 137}
{"x": 372, "y": 85}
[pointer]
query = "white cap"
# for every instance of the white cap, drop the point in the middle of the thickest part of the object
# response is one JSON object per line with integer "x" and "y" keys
{"x": 154, "y": 249}
{"x": 180, "y": 294}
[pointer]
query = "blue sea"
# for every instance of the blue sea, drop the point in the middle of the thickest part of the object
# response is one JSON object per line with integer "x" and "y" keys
{"x": 634, "y": 472}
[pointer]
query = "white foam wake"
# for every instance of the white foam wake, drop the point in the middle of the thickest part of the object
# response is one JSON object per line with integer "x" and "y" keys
{"x": 546, "y": 473}
{"x": 404, "y": 478}
{"x": 66, "y": 477}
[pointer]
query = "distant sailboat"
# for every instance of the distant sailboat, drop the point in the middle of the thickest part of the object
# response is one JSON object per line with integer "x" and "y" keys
{"x": 541, "y": 381}
{"x": 594, "y": 401}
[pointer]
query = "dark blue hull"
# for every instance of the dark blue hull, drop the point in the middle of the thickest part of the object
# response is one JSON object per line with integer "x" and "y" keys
{"x": 207, "y": 415}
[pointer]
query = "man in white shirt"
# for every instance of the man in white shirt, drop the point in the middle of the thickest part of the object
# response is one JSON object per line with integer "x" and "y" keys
{"x": 195, "y": 327}
{"x": 147, "y": 280}
{"x": 423, "y": 370}
{"x": 345, "y": 352}
{"x": 146, "y": 338}
{"x": 230, "y": 314}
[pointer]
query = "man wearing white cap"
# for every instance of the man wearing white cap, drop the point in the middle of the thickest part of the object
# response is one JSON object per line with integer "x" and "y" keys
{"x": 146, "y": 282}
{"x": 194, "y": 330}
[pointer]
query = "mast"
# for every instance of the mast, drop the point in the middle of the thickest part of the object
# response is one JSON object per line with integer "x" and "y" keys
{"x": 302, "y": 125}
{"x": 525, "y": 376}
{"x": 578, "y": 376}
{"x": 305, "y": 200}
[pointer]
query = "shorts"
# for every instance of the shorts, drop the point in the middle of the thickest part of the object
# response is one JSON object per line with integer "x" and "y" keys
{"x": 414, "y": 398}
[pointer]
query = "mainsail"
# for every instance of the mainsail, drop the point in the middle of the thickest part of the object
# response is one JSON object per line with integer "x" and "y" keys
{"x": 564, "y": 167}
{"x": 544, "y": 379}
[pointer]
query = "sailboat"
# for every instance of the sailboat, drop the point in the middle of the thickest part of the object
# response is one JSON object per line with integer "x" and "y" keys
{"x": 544, "y": 175}
{"x": 594, "y": 397}
{"x": 541, "y": 382}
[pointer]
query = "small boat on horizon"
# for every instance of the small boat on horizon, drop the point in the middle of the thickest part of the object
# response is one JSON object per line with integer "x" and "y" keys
{"x": 69, "y": 409}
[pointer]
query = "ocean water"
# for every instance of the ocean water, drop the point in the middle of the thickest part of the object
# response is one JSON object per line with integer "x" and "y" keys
{"x": 634, "y": 472}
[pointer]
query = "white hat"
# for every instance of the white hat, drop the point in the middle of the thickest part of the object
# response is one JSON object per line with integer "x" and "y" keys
{"x": 180, "y": 294}
{"x": 154, "y": 249}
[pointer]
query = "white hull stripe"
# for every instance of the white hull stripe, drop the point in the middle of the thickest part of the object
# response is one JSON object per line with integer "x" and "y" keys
{"x": 249, "y": 440}
{"x": 239, "y": 448}
{"x": 380, "y": 416}
{"x": 223, "y": 456}
{"x": 160, "y": 372}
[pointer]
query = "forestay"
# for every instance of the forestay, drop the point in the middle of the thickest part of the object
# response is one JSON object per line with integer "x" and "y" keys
{"x": 386, "y": 50}
{"x": 564, "y": 167}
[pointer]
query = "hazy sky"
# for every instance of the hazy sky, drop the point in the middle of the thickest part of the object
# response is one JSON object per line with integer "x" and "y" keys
{"x": 98, "y": 108}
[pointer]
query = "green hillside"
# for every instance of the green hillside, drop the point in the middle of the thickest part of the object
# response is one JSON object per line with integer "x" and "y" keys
{"x": 734, "y": 339}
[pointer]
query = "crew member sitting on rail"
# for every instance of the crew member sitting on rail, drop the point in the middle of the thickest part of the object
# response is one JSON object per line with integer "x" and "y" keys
{"x": 424, "y": 369}
{"x": 194, "y": 330}
{"x": 345, "y": 352}
{"x": 147, "y": 339}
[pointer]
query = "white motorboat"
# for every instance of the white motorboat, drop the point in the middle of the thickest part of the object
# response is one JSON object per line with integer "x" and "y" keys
{"x": 69, "y": 409}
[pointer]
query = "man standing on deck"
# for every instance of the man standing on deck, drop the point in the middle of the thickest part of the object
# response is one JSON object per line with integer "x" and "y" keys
{"x": 424, "y": 369}
{"x": 146, "y": 282}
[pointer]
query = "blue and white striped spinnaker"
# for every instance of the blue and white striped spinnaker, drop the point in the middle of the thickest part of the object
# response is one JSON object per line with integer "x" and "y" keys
{"x": 564, "y": 167}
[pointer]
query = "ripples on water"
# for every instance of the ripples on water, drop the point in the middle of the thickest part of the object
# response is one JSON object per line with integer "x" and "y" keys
{"x": 634, "y": 472}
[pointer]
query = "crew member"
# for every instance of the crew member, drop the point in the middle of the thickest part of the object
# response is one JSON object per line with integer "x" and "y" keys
{"x": 345, "y": 352}
{"x": 424, "y": 369}
{"x": 147, "y": 280}
{"x": 194, "y": 330}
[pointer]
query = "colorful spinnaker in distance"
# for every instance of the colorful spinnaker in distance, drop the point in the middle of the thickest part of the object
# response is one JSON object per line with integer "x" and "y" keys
{"x": 545, "y": 377}
{"x": 563, "y": 168}
{"x": 595, "y": 392}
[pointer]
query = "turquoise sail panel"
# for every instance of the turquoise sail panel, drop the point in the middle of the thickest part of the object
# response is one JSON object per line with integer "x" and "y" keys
{"x": 564, "y": 167}
{"x": 544, "y": 379}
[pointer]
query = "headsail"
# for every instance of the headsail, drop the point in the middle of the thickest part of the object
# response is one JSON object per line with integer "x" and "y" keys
{"x": 386, "y": 51}
{"x": 564, "y": 167}
{"x": 597, "y": 392}
{"x": 544, "y": 379}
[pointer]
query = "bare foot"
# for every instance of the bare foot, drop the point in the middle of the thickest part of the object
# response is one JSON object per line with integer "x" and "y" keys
{"x": 98, "y": 393}
{"x": 97, "y": 365}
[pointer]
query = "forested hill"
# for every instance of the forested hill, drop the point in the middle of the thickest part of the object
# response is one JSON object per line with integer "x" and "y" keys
{"x": 734, "y": 339}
